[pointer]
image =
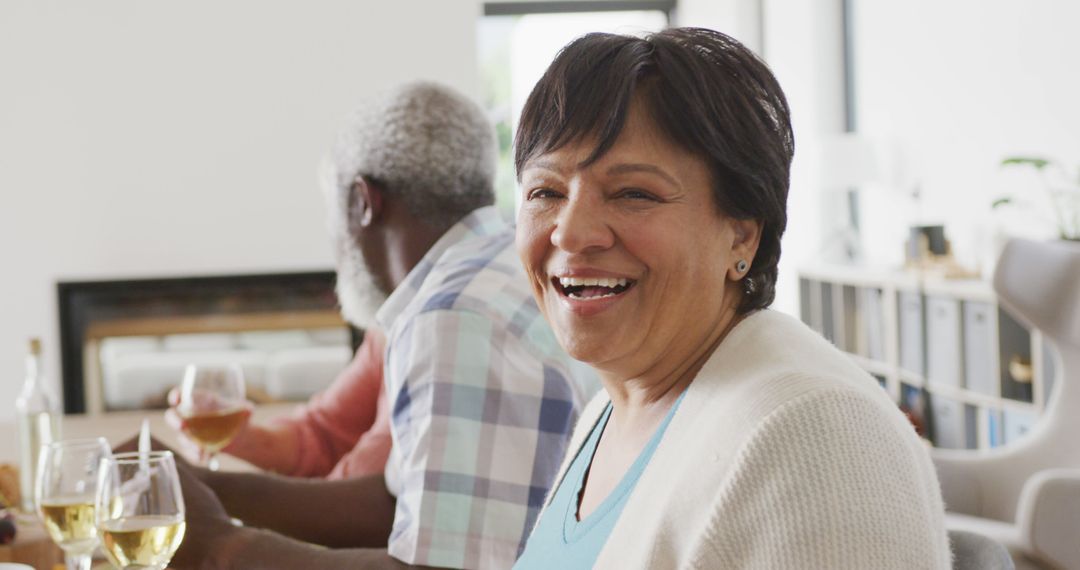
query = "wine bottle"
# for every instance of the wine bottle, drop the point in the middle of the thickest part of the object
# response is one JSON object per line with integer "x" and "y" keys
{"x": 37, "y": 414}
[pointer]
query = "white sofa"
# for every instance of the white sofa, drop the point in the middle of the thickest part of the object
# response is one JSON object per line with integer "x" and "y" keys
{"x": 287, "y": 365}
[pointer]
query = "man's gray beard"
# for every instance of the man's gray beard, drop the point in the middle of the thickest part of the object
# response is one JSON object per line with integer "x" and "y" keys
{"x": 357, "y": 293}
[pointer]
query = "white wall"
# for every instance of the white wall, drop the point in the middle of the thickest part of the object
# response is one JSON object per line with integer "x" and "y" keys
{"x": 740, "y": 19}
{"x": 954, "y": 87}
{"x": 181, "y": 138}
{"x": 803, "y": 46}
{"x": 801, "y": 42}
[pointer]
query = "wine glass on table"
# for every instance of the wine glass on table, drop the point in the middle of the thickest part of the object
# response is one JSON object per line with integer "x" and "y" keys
{"x": 213, "y": 408}
{"x": 140, "y": 509}
{"x": 64, "y": 493}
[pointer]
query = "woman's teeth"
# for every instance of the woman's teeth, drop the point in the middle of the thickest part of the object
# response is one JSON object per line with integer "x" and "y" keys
{"x": 592, "y": 281}
{"x": 591, "y": 293}
{"x": 593, "y": 287}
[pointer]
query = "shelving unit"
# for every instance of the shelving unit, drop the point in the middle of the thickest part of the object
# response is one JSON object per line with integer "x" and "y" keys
{"x": 968, "y": 374}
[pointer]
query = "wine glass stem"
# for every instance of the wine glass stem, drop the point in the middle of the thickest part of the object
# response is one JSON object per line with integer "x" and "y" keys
{"x": 77, "y": 561}
{"x": 212, "y": 462}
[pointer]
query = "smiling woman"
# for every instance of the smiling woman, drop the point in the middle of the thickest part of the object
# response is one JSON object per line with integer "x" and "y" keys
{"x": 654, "y": 174}
{"x": 626, "y": 217}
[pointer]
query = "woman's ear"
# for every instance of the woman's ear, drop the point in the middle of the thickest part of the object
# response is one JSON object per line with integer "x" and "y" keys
{"x": 744, "y": 247}
{"x": 365, "y": 203}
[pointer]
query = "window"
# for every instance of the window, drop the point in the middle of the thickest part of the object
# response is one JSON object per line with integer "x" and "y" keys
{"x": 515, "y": 48}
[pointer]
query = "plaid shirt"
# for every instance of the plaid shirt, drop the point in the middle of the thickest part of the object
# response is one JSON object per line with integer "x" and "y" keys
{"x": 483, "y": 398}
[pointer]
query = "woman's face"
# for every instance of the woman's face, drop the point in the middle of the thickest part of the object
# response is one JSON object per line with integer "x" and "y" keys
{"x": 628, "y": 257}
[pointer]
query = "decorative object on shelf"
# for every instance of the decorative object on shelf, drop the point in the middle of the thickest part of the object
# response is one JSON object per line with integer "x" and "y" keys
{"x": 926, "y": 242}
{"x": 929, "y": 251}
{"x": 1062, "y": 189}
{"x": 1020, "y": 369}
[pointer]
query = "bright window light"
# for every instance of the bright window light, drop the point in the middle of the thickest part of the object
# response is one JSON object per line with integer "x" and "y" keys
{"x": 514, "y": 51}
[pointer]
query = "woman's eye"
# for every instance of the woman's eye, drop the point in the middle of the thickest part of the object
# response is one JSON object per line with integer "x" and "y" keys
{"x": 541, "y": 193}
{"x": 637, "y": 194}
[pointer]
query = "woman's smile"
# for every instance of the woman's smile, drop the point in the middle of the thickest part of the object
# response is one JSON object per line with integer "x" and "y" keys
{"x": 588, "y": 293}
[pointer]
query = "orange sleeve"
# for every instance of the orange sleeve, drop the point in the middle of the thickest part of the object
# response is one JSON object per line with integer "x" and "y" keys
{"x": 332, "y": 424}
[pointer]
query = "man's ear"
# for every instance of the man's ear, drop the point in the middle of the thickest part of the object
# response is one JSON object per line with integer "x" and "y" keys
{"x": 365, "y": 203}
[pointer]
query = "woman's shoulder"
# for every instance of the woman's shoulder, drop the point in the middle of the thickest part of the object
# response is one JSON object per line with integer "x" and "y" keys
{"x": 771, "y": 358}
{"x": 837, "y": 409}
{"x": 778, "y": 341}
{"x": 771, "y": 369}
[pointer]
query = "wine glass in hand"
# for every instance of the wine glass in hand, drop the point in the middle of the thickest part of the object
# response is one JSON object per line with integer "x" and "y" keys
{"x": 64, "y": 494}
{"x": 140, "y": 509}
{"x": 212, "y": 407}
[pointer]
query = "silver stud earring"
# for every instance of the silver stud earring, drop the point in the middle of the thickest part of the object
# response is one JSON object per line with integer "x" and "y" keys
{"x": 740, "y": 266}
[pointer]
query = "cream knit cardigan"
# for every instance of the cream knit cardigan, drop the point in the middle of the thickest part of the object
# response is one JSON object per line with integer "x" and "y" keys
{"x": 783, "y": 454}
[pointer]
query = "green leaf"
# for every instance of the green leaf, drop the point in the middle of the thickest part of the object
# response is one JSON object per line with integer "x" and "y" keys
{"x": 1001, "y": 201}
{"x": 1033, "y": 161}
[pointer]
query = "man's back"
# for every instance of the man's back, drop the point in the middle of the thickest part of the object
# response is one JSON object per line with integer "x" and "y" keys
{"x": 483, "y": 401}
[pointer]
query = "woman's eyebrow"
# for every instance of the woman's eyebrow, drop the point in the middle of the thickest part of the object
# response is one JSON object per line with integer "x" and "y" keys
{"x": 549, "y": 165}
{"x": 640, "y": 167}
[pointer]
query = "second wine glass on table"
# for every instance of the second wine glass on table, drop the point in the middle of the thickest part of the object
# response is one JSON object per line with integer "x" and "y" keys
{"x": 213, "y": 407}
{"x": 65, "y": 492}
{"x": 140, "y": 509}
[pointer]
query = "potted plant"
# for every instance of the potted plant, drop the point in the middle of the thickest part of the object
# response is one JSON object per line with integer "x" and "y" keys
{"x": 1062, "y": 188}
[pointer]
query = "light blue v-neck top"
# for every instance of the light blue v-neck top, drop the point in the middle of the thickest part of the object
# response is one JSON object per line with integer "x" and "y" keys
{"x": 560, "y": 540}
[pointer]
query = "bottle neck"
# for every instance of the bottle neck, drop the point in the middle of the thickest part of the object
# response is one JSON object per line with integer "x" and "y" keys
{"x": 33, "y": 373}
{"x": 35, "y": 394}
{"x": 33, "y": 367}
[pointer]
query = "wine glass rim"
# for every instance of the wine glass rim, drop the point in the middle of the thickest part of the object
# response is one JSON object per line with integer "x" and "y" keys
{"x": 77, "y": 442}
{"x": 202, "y": 367}
{"x": 126, "y": 457}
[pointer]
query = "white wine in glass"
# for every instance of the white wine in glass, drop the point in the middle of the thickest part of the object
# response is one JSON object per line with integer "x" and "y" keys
{"x": 213, "y": 407}
{"x": 65, "y": 492}
{"x": 140, "y": 509}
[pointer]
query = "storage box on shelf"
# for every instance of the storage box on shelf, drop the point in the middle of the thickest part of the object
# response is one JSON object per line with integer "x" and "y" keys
{"x": 967, "y": 373}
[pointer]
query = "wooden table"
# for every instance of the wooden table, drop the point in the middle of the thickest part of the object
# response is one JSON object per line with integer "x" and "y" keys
{"x": 32, "y": 546}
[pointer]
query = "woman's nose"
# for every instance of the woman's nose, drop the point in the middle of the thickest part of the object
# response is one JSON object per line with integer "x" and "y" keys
{"x": 582, "y": 226}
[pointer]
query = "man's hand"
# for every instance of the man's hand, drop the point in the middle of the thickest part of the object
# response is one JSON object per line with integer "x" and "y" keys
{"x": 209, "y": 529}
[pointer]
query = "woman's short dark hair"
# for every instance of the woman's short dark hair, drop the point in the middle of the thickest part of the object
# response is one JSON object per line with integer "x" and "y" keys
{"x": 706, "y": 91}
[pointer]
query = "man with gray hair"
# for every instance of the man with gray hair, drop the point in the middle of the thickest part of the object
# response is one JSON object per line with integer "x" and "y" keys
{"x": 426, "y": 154}
{"x": 482, "y": 396}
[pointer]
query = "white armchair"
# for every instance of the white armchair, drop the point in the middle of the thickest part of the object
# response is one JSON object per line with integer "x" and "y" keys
{"x": 1027, "y": 495}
